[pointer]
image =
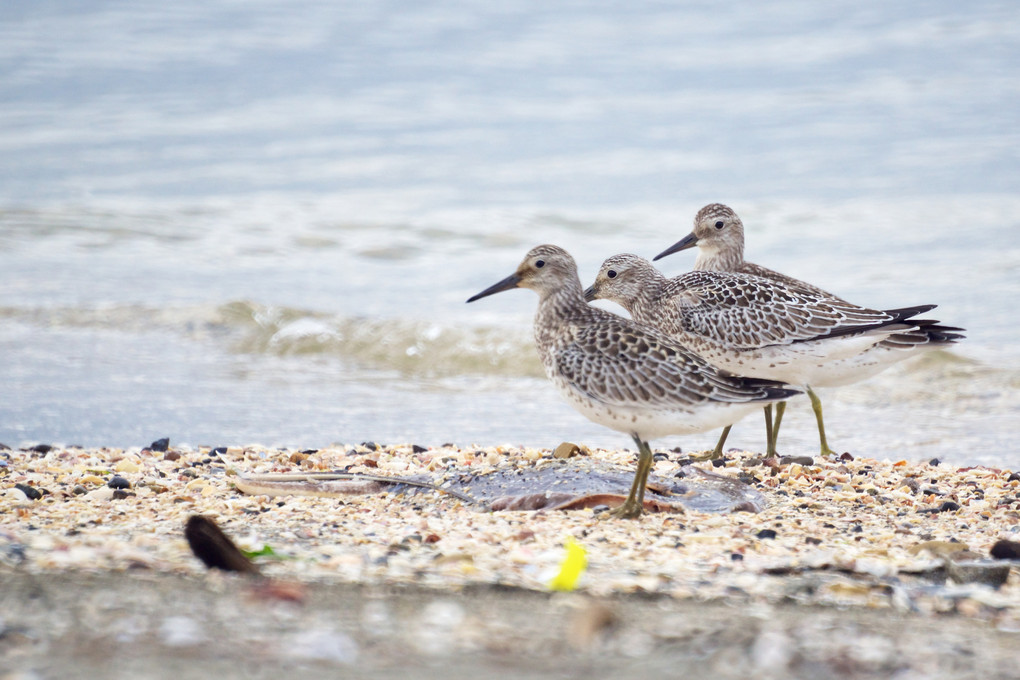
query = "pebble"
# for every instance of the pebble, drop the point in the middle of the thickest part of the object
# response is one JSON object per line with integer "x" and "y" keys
{"x": 947, "y": 506}
{"x": 30, "y": 492}
{"x": 566, "y": 450}
{"x": 1005, "y": 550}
{"x": 159, "y": 445}
{"x": 798, "y": 460}
{"x": 118, "y": 482}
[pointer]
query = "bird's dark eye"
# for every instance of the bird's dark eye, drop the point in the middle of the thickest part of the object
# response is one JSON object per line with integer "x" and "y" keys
{"x": 611, "y": 274}
{"x": 720, "y": 224}
{"x": 539, "y": 264}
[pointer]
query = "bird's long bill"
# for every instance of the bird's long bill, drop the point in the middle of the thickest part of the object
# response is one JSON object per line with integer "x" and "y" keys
{"x": 506, "y": 284}
{"x": 589, "y": 293}
{"x": 686, "y": 242}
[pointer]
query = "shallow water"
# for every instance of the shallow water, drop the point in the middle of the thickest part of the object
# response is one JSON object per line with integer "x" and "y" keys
{"x": 259, "y": 223}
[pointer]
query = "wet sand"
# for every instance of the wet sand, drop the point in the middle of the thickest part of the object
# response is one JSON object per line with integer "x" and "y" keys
{"x": 141, "y": 624}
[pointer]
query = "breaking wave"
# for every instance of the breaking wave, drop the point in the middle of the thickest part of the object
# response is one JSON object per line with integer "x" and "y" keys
{"x": 410, "y": 347}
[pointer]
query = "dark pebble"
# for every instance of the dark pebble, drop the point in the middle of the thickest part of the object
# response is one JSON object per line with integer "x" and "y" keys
{"x": 857, "y": 529}
{"x": 798, "y": 460}
{"x": 32, "y": 493}
{"x": 719, "y": 462}
{"x": 309, "y": 452}
{"x": 219, "y": 451}
{"x": 737, "y": 557}
{"x": 680, "y": 474}
{"x": 118, "y": 482}
{"x": 934, "y": 462}
{"x": 948, "y": 506}
{"x": 160, "y": 444}
{"x": 121, "y": 494}
{"x": 415, "y": 448}
{"x": 845, "y": 456}
{"x": 371, "y": 446}
{"x": 660, "y": 456}
{"x": 171, "y": 455}
{"x": 600, "y": 509}
{"x": 40, "y": 448}
{"x": 1006, "y": 550}
{"x": 811, "y": 540}
{"x": 685, "y": 461}
{"x": 766, "y": 533}
{"x": 1013, "y": 477}
{"x": 78, "y": 490}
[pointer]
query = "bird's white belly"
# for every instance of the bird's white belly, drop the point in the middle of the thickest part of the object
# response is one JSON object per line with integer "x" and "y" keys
{"x": 651, "y": 422}
{"x": 802, "y": 363}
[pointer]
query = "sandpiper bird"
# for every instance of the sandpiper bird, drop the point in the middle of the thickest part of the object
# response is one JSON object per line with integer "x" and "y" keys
{"x": 625, "y": 375}
{"x": 719, "y": 235}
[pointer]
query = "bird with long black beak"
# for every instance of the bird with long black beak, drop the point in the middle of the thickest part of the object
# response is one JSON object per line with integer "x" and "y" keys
{"x": 626, "y": 376}
{"x": 719, "y": 236}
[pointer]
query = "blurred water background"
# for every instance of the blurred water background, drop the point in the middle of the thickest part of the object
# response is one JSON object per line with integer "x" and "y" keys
{"x": 257, "y": 222}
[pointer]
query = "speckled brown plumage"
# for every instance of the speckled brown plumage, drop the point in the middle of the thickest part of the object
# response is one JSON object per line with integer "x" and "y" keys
{"x": 719, "y": 236}
{"x": 627, "y": 376}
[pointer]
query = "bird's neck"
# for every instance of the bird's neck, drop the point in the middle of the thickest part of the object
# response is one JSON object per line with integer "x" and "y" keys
{"x": 558, "y": 308}
{"x": 644, "y": 301}
{"x": 719, "y": 259}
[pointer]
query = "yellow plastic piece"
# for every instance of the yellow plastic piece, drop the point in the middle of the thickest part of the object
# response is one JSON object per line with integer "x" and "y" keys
{"x": 572, "y": 568}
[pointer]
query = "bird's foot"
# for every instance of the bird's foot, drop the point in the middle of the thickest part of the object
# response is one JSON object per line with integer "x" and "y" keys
{"x": 707, "y": 455}
{"x": 629, "y": 510}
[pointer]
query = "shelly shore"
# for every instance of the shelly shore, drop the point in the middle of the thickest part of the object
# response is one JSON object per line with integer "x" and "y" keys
{"x": 871, "y": 565}
{"x": 924, "y": 541}
{"x": 860, "y": 518}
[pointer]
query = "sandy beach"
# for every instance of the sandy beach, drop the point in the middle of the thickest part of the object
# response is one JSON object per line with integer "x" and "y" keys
{"x": 855, "y": 566}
